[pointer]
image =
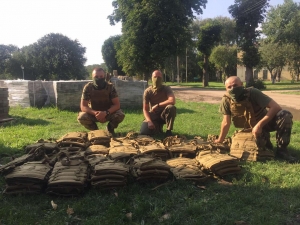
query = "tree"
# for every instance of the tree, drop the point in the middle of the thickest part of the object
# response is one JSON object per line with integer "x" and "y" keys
{"x": 209, "y": 36}
{"x": 248, "y": 14}
{"x": 6, "y": 52}
{"x": 293, "y": 60}
{"x": 282, "y": 23}
{"x": 56, "y": 57}
{"x": 109, "y": 54}
{"x": 153, "y": 30}
{"x": 225, "y": 59}
{"x": 273, "y": 57}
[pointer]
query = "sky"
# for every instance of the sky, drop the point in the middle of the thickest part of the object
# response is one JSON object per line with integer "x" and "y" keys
{"x": 24, "y": 22}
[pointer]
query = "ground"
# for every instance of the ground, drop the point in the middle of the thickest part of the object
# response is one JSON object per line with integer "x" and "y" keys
{"x": 286, "y": 101}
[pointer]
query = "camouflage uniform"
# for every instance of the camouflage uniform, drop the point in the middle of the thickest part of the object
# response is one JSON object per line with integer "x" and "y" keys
{"x": 99, "y": 100}
{"x": 281, "y": 123}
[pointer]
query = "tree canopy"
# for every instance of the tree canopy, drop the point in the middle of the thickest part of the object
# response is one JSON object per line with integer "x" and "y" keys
{"x": 109, "y": 54}
{"x": 248, "y": 14}
{"x": 153, "y": 30}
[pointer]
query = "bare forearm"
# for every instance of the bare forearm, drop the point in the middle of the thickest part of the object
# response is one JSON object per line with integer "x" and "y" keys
{"x": 88, "y": 110}
{"x": 225, "y": 125}
{"x": 146, "y": 115}
{"x": 114, "y": 108}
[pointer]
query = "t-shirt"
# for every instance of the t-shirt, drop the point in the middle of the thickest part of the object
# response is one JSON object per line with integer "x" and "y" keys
{"x": 257, "y": 98}
{"x": 154, "y": 96}
{"x": 89, "y": 87}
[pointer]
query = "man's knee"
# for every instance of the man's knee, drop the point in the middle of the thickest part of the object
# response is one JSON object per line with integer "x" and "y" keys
{"x": 171, "y": 108}
{"x": 146, "y": 131}
{"x": 118, "y": 117}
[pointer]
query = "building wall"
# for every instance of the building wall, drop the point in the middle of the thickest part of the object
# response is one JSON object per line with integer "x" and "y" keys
{"x": 285, "y": 74}
{"x": 67, "y": 94}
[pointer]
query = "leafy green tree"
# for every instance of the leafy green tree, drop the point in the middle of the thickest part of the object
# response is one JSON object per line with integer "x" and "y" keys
{"x": 273, "y": 57}
{"x": 6, "y": 53}
{"x": 248, "y": 14}
{"x": 225, "y": 59}
{"x": 228, "y": 32}
{"x": 209, "y": 37}
{"x": 153, "y": 30}
{"x": 282, "y": 23}
{"x": 293, "y": 60}
{"x": 109, "y": 54}
{"x": 56, "y": 57}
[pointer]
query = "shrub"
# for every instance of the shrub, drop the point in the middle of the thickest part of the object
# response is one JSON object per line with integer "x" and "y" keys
{"x": 259, "y": 84}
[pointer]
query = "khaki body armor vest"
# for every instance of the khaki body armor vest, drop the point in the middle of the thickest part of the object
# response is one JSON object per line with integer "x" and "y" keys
{"x": 100, "y": 99}
{"x": 245, "y": 114}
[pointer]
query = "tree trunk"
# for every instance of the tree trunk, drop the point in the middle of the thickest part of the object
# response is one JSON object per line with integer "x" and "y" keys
{"x": 205, "y": 73}
{"x": 278, "y": 76}
{"x": 249, "y": 76}
{"x": 273, "y": 76}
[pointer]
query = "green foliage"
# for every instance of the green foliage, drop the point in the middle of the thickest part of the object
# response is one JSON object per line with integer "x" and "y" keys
{"x": 5, "y": 55}
{"x": 109, "y": 53}
{"x": 282, "y": 23}
{"x": 53, "y": 57}
{"x": 224, "y": 59}
{"x": 152, "y": 31}
{"x": 248, "y": 14}
{"x": 259, "y": 84}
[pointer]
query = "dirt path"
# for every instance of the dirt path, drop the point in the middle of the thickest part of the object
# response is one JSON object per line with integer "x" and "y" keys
{"x": 286, "y": 101}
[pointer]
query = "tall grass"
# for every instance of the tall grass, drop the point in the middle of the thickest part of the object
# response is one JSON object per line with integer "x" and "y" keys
{"x": 264, "y": 193}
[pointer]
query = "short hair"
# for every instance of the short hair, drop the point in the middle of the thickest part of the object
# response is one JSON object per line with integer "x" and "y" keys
{"x": 99, "y": 69}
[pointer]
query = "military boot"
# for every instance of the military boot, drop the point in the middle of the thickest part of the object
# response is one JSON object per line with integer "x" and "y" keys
{"x": 284, "y": 154}
{"x": 110, "y": 129}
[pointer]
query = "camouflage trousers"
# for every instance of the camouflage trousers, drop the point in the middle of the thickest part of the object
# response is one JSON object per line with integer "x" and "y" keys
{"x": 89, "y": 121}
{"x": 282, "y": 123}
{"x": 167, "y": 116}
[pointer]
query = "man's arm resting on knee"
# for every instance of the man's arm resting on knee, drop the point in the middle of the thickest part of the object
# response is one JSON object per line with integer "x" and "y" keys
{"x": 225, "y": 125}
{"x": 84, "y": 106}
{"x": 273, "y": 109}
{"x": 170, "y": 101}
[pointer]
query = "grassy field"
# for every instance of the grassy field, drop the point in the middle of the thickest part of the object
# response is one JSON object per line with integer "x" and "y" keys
{"x": 264, "y": 193}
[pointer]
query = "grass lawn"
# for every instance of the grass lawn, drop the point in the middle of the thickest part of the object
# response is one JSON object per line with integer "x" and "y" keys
{"x": 264, "y": 193}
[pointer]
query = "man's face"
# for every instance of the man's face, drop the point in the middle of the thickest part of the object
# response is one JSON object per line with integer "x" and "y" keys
{"x": 98, "y": 74}
{"x": 232, "y": 83}
{"x": 156, "y": 74}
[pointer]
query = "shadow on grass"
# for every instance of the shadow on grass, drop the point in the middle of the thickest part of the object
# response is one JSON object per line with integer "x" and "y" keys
{"x": 6, "y": 153}
{"x": 23, "y": 120}
{"x": 206, "y": 203}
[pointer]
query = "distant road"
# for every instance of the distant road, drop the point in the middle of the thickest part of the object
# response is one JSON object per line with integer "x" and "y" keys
{"x": 286, "y": 101}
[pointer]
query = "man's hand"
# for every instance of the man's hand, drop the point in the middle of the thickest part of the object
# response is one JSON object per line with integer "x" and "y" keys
{"x": 151, "y": 125}
{"x": 100, "y": 116}
{"x": 154, "y": 108}
{"x": 218, "y": 141}
{"x": 256, "y": 130}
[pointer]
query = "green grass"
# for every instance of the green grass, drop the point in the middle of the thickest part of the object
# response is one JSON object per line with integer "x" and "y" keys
{"x": 264, "y": 193}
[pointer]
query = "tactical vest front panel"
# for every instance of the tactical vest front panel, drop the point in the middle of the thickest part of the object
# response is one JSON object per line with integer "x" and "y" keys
{"x": 245, "y": 114}
{"x": 100, "y": 99}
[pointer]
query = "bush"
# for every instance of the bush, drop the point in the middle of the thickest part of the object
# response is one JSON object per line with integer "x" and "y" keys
{"x": 259, "y": 84}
